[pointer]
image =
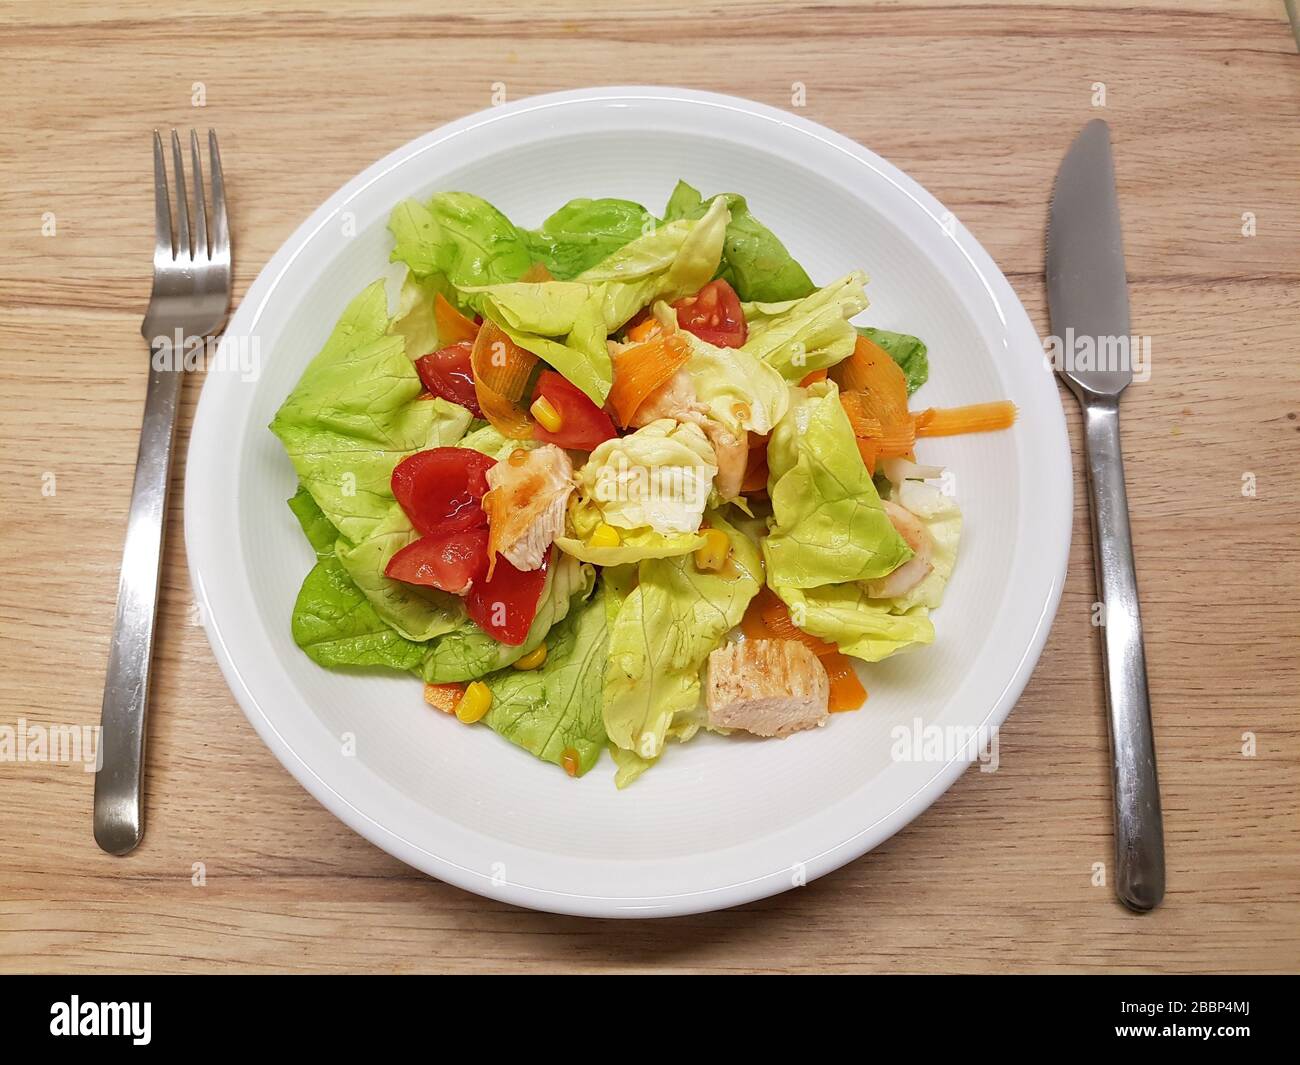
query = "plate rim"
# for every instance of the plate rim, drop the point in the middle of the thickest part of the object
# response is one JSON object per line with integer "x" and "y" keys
{"x": 198, "y": 541}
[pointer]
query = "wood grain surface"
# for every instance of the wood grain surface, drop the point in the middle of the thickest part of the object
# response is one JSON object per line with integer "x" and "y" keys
{"x": 977, "y": 101}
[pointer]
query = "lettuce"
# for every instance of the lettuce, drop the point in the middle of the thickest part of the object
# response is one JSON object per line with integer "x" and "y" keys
{"x": 664, "y": 631}
{"x": 557, "y": 708}
{"x": 566, "y": 323}
{"x": 583, "y": 232}
{"x": 737, "y": 389}
{"x": 870, "y": 629}
{"x": 335, "y": 624}
{"x": 798, "y": 337}
{"x": 467, "y": 652}
{"x": 315, "y": 526}
{"x": 353, "y": 417}
{"x": 656, "y": 478}
{"x": 827, "y": 522}
{"x": 459, "y": 237}
{"x": 753, "y": 261}
{"x": 634, "y": 544}
{"x": 907, "y": 351}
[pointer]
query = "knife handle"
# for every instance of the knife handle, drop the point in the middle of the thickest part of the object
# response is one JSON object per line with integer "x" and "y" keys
{"x": 1139, "y": 833}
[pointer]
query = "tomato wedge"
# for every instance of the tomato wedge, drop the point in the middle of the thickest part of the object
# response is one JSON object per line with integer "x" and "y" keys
{"x": 504, "y": 605}
{"x": 714, "y": 315}
{"x": 454, "y": 562}
{"x": 446, "y": 373}
{"x": 583, "y": 425}
{"x": 442, "y": 489}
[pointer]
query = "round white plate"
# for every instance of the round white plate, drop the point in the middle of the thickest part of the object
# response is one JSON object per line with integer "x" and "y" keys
{"x": 718, "y": 821}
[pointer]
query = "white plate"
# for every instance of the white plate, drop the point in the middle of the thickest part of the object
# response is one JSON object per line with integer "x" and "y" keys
{"x": 718, "y": 821}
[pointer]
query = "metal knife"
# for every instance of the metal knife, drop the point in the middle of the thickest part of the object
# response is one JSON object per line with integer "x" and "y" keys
{"x": 1087, "y": 294}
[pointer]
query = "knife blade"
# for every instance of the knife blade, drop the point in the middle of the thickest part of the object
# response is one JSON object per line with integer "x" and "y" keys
{"x": 1087, "y": 291}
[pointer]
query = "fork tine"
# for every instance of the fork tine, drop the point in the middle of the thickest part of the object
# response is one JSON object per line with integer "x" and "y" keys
{"x": 200, "y": 208}
{"x": 162, "y": 212}
{"x": 182, "y": 207}
{"x": 220, "y": 227}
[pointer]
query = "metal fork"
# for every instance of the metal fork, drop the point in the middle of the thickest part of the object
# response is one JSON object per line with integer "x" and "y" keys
{"x": 190, "y": 299}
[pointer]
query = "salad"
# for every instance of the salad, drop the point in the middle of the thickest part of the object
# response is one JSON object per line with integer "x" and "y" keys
{"x": 610, "y": 481}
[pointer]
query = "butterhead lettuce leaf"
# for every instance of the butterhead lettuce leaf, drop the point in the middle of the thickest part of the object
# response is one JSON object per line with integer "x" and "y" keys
{"x": 869, "y": 629}
{"x": 812, "y": 333}
{"x": 583, "y": 232}
{"x": 827, "y": 523}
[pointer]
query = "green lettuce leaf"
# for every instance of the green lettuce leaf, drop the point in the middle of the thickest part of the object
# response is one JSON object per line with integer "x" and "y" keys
{"x": 634, "y": 544}
{"x": 557, "y": 707}
{"x": 732, "y": 380}
{"x": 467, "y": 652}
{"x": 656, "y": 478}
{"x": 353, "y": 416}
{"x": 335, "y": 624}
{"x": 583, "y": 232}
{"x": 459, "y": 236}
{"x": 566, "y": 323}
{"x": 907, "y": 351}
{"x": 827, "y": 522}
{"x": 810, "y": 334}
{"x": 869, "y": 629}
{"x": 662, "y": 636}
{"x": 315, "y": 526}
{"x": 753, "y": 262}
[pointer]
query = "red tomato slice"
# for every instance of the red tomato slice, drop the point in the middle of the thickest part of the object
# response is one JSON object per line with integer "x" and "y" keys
{"x": 714, "y": 315}
{"x": 442, "y": 489}
{"x": 505, "y": 605}
{"x": 583, "y": 425}
{"x": 446, "y": 373}
{"x": 454, "y": 562}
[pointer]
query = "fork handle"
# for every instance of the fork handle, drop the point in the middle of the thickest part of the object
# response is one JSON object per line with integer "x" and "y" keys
{"x": 1139, "y": 833}
{"x": 119, "y": 807}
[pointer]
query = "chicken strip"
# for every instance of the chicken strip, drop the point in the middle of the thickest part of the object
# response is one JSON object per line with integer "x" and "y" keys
{"x": 767, "y": 687}
{"x": 525, "y": 507}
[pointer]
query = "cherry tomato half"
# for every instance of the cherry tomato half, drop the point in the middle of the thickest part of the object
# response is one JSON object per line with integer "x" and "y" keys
{"x": 442, "y": 489}
{"x": 714, "y": 315}
{"x": 454, "y": 562}
{"x": 504, "y": 606}
{"x": 446, "y": 373}
{"x": 583, "y": 425}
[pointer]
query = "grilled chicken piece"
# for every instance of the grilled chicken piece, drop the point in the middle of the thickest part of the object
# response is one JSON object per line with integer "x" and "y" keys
{"x": 767, "y": 687}
{"x": 915, "y": 569}
{"x": 529, "y": 492}
{"x": 673, "y": 399}
{"x": 731, "y": 453}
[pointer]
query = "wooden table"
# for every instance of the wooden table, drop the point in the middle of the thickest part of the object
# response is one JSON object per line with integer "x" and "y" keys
{"x": 977, "y": 101}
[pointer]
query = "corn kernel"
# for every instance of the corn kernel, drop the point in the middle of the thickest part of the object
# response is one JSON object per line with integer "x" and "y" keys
{"x": 476, "y": 702}
{"x": 713, "y": 554}
{"x": 742, "y": 412}
{"x": 605, "y": 536}
{"x": 532, "y": 659}
{"x": 544, "y": 411}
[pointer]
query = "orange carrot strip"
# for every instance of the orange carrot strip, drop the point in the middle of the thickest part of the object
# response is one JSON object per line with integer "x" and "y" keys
{"x": 443, "y": 697}
{"x": 755, "y": 472}
{"x": 501, "y": 373}
{"x": 871, "y": 371}
{"x": 813, "y": 378}
{"x": 453, "y": 327}
{"x": 847, "y": 692}
{"x": 644, "y": 329}
{"x": 641, "y": 370}
{"x": 976, "y": 418}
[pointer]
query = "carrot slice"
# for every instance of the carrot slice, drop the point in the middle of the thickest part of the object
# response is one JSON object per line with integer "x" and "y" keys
{"x": 847, "y": 692}
{"x": 813, "y": 378}
{"x": 443, "y": 696}
{"x": 871, "y": 371}
{"x": 644, "y": 329}
{"x": 537, "y": 272}
{"x": 502, "y": 370}
{"x": 452, "y": 326}
{"x": 976, "y": 418}
{"x": 768, "y": 619}
{"x": 755, "y": 472}
{"x": 641, "y": 370}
